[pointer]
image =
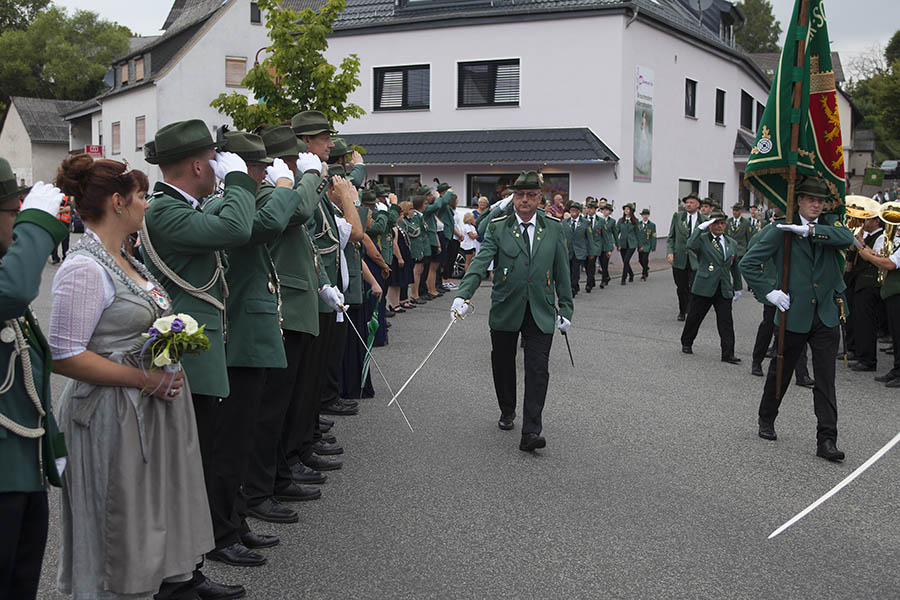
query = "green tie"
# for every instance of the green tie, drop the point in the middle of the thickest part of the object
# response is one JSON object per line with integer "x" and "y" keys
{"x": 525, "y": 227}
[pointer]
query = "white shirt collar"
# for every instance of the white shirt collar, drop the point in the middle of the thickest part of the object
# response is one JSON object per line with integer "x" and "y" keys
{"x": 804, "y": 221}
{"x": 532, "y": 220}
{"x": 194, "y": 202}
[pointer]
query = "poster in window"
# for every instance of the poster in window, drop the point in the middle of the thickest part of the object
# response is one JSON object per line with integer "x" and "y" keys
{"x": 643, "y": 124}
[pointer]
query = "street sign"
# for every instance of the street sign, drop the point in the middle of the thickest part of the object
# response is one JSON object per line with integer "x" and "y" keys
{"x": 94, "y": 151}
{"x": 873, "y": 176}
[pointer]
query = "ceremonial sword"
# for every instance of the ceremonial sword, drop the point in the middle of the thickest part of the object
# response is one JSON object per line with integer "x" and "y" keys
{"x": 565, "y": 337}
{"x": 374, "y": 362}
{"x": 859, "y": 470}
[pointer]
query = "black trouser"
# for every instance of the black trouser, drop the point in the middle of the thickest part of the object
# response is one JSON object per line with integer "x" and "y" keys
{"x": 331, "y": 385}
{"x": 849, "y": 329}
{"x": 281, "y": 401}
{"x": 684, "y": 279}
{"x": 307, "y": 426}
{"x": 65, "y": 249}
{"x": 626, "y": 253}
{"x": 604, "y": 267}
{"x": 537, "y": 374}
{"x": 865, "y": 312}
{"x": 590, "y": 267}
{"x": 823, "y": 341}
{"x": 699, "y": 306}
{"x": 892, "y": 306}
{"x": 450, "y": 258}
{"x": 23, "y": 537}
{"x": 644, "y": 260}
{"x": 764, "y": 334}
{"x": 575, "y": 272}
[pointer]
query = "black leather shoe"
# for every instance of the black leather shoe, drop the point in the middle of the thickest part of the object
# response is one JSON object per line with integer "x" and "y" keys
{"x": 329, "y": 439}
{"x": 237, "y": 555}
{"x": 889, "y": 376}
{"x": 320, "y": 463}
{"x": 272, "y": 511}
{"x": 681, "y": 317}
{"x": 858, "y": 366}
{"x": 807, "y": 382}
{"x": 325, "y": 449}
{"x": 210, "y": 590}
{"x": 767, "y": 430}
{"x": 687, "y": 350}
{"x": 734, "y": 360}
{"x": 258, "y": 540}
{"x": 623, "y": 282}
{"x": 828, "y": 450}
{"x": 298, "y": 493}
{"x": 756, "y": 369}
{"x": 506, "y": 422}
{"x": 300, "y": 473}
{"x": 340, "y": 409}
{"x": 771, "y": 352}
{"x": 587, "y": 290}
{"x": 531, "y": 442}
{"x": 893, "y": 383}
{"x": 323, "y": 422}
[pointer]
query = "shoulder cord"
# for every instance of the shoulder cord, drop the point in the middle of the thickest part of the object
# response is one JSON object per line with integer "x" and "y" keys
{"x": 21, "y": 350}
{"x": 326, "y": 230}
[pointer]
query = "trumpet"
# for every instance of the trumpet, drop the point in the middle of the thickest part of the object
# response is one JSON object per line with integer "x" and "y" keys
{"x": 859, "y": 210}
{"x": 889, "y": 213}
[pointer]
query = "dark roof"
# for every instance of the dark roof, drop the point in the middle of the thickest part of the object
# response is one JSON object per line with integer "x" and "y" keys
{"x": 743, "y": 144}
{"x": 83, "y": 108}
{"x": 768, "y": 62}
{"x": 185, "y": 15}
{"x": 575, "y": 145}
{"x": 137, "y": 43}
{"x": 43, "y": 118}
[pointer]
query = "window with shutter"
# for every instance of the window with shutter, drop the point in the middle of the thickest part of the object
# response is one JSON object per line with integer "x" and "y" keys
{"x": 235, "y": 70}
{"x": 488, "y": 83}
{"x": 123, "y": 77}
{"x": 402, "y": 88}
{"x": 138, "y": 69}
{"x": 140, "y": 132}
{"x": 116, "y": 138}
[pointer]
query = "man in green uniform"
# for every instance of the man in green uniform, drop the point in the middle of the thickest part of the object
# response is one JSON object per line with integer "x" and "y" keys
{"x": 684, "y": 263}
{"x": 596, "y": 235}
{"x": 810, "y": 305}
{"x": 646, "y": 242}
{"x": 580, "y": 243}
{"x": 706, "y": 206}
{"x": 717, "y": 284}
{"x": 31, "y": 445}
{"x": 755, "y": 222}
{"x": 609, "y": 234}
{"x": 531, "y": 271}
{"x": 739, "y": 229}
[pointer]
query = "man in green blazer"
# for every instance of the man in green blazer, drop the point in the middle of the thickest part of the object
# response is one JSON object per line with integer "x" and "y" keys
{"x": 596, "y": 235}
{"x": 531, "y": 271}
{"x": 810, "y": 305}
{"x": 717, "y": 284}
{"x": 608, "y": 234}
{"x": 646, "y": 242}
{"x": 580, "y": 243}
{"x": 31, "y": 445}
{"x": 684, "y": 263}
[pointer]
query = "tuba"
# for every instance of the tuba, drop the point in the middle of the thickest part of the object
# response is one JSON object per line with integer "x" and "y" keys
{"x": 859, "y": 209}
{"x": 889, "y": 213}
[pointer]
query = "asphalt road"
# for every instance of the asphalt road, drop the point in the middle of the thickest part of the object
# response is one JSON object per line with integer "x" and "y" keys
{"x": 654, "y": 483}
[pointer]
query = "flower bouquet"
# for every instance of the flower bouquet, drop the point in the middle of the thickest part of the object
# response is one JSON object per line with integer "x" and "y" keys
{"x": 171, "y": 338}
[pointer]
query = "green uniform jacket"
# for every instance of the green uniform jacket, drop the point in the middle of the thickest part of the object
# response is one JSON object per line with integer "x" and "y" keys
{"x": 415, "y": 230}
{"x": 627, "y": 234}
{"x": 676, "y": 243}
{"x": 816, "y": 274}
{"x": 297, "y": 262}
{"x": 252, "y": 305}
{"x": 323, "y": 229}
{"x": 446, "y": 215}
{"x": 715, "y": 272}
{"x": 741, "y": 232}
{"x": 646, "y": 236}
{"x": 520, "y": 280}
{"x": 26, "y": 464}
{"x": 385, "y": 241}
{"x": 604, "y": 235}
{"x": 186, "y": 240}
{"x": 579, "y": 240}
{"x": 353, "y": 253}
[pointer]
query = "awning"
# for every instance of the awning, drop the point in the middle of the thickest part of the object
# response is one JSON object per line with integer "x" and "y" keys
{"x": 567, "y": 146}
{"x": 743, "y": 144}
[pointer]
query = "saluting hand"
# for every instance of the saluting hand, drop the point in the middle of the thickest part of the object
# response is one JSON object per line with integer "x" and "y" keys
{"x": 278, "y": 171}
{"x": 227, "y": 162}
{"x": 45, "y": 197}
{"x": 704, "y": 225}
{"x": 307, "y": 161}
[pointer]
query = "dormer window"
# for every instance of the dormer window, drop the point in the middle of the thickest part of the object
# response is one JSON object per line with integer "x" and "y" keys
{"x": 124, "y": 74}
{"x": 139, "y": 68}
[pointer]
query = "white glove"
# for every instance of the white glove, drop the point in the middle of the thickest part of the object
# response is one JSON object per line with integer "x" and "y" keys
{"x": 307, "y": 161}
{"x": 505, "y": 202}
{"x": 563, "y": 323}
{"x": 381, "y": 206}
{"x": 45, "y": 197}
{"x": 704, "y": 225}
{"x": 779, "y": 299}
{"x": 801, "y": 230}
{"x": 227, "y": 162}
{"x": 278, "y": 170}
{"x": 61, "y": 465}
{"x": 737, "y": 295}
{"x": 332, "y": 297}
{"x": 459, "y": 308}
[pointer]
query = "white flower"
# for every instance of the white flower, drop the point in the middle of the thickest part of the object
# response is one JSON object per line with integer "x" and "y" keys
{"x": 164, "y": 324}
{"x": 162, "y": 359}
{"x": 190, "y": 323}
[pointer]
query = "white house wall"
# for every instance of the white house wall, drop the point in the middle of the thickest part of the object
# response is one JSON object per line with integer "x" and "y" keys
{"x": 124, "y": 108}
{"x": 45, "y": 161}
{"x": 15, "y": 146}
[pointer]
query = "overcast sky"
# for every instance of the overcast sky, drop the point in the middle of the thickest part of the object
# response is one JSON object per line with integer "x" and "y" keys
{"x": 853, "y": 25}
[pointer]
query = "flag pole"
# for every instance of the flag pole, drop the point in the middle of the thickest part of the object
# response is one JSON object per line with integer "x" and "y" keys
{"x": 800, "y": 45}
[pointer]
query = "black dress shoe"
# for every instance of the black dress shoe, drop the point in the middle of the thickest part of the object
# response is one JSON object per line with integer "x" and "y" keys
{"x": 531, "y": 442}
{"x": 258, "y": 540}
{"x": 623, "y": 282}
{"x": 767, "y": 430}
{"x": 687, "y": 350}
{"x": 324, "y": 449}
{"x": 889, "y": 376}
{"x": 858, "y": 366}
{"x": 300, "y": 473}
{"x": 681, "y": 317}
{"x": 807, "y": 382}
{"x": 771, "y": 353}
{"x": 329, "y": 438}
{"x": 734, "y": 360}
{"x": 506, "y": 422}
{"x": 323, "y": 422}
{"x": 210, "y": 590}
{"x": 298, "y": 493}
{"x": 237, "y": 555}
{"x": 756, "y": 369}
{"x": 340, "y": 409}
{"x": 893, "y": 383}
{"x": 828, "y": 450}
{"x": 588, "y": 290}
{"x": 272, "y": 511}
{"x": 320, "y": 463}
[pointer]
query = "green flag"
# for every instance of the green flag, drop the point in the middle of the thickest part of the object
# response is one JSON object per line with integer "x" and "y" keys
{"x": 820, "y": 150}
{"x": 873, "y": 176}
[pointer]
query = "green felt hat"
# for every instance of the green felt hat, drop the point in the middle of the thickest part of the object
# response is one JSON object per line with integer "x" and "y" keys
{"x": 310, "y": 122}
{"x": 607, "y": 207}
{"x": 340, "y": 148}
{"x": 813, "y": 186}
{"x": 628, "y": 205}
{"x": 576, "y": 206}
{"x": 737, "y": 206}
{"x": 9, "y": 188}
{"x": 179, "y": 140}
{"x": 592, "y": 203}
{"x": 368, "y": 196}
{"x": 248, "y": 146}
{"x": 443, "y": 187}
{"x": 338, "y": 170}
{"x": 528, "y": 180}
{"x": 423, "y": 190}
{"x": 382, "y": 191}
{"x": 708, "y": 201}
{"x": 717, "y": 215}
{"x": 691, "y": 195}
{"x": 280, "y": 142}
{"x": 645, "y": 211}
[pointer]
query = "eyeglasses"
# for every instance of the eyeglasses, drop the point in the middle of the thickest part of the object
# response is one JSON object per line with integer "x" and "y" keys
{"x": 531, "y": 195}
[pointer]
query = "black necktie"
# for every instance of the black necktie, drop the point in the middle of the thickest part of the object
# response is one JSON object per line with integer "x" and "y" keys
{"x": 525, "y": 227}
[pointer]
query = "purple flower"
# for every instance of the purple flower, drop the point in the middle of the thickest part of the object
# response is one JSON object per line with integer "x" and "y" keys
{"x": 153, "y": 333}
{"x": 177, "y": 325}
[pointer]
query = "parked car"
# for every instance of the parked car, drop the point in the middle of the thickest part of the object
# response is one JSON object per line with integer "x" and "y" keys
{"x": 891, "y": 169}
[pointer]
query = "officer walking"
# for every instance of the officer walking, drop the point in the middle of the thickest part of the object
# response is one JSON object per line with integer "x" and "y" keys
{"x": 580, "y": 243}
{"x": 684, "y": 263}
{"x": 596, "y": 235}
{"x": 646, "y": 242}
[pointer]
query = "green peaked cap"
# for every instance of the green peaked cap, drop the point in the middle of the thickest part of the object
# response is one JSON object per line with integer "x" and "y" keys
{"x": 179, "y": 140}
{"x": 528, "y": 180}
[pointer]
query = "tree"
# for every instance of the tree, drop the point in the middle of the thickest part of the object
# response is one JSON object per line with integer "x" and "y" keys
{"x": 295, "y": 75}
{"x": 18, "y": 14}
{"x": 60, "y": 57}
{"x": 892, "y": 52}
{"x": 760, "y": 32}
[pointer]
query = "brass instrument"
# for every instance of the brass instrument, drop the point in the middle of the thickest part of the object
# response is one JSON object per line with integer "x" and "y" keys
{"x": 859, "y": 209}
{"x": 889, "y": 213}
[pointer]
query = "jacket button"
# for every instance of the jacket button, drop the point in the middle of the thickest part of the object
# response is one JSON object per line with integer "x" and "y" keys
{"x": 529, "y": 281}
{"x": 815, "y": 285}
{"x": 814, "y": 301}
{"x": 527, "y": 263}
